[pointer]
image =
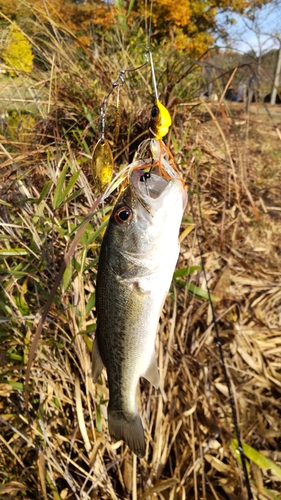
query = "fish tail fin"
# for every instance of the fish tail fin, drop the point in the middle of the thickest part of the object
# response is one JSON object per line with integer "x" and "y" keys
{"x": 128, "y": 427}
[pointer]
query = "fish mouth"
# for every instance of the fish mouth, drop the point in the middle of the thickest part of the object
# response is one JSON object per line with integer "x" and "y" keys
{"x": 147, "y": 184}
{"x": 153, "y": 169}
{"x": 151, "y": 188}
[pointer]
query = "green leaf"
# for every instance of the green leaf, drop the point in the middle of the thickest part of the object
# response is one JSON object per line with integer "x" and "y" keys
{"x": 194, "y": 290}
{"x": 98, "y": 419}
{"x": 57, "y": 403}
{"x": 11, "y": 252}
{"x": 90, "y": 235}
{"x": 17, "y": 386}
{"x": 60, "y": 194}
{"x": 57, "y": 199}
{"x": 78, "y": 134}
{"x": 198, "y": 292}
{"x": 5, "y": 308}
{"x": 256, "y": 457}
{"x": 98, "y": 232}
{"x": 45, "y": 191}
{"x": 187, "y": 219}
{"x": 90, "y": 120}
{"x": 74, "y": 195}
{"x": 186, "y": 271}
{"x": 91, "y": 265}
{"x": 269, "y": 493}
{"x": 88, "y": 342}
{"x": 71, "y": 183}
{"x": 15, "y": 357}
{"x": 52, "y": 487}
{"x": 91, "y": 328}
{"x": 76, "y": 264}
{"x": 6, "y": 204}
{"x": 67, "y": 275}
{"x": 131, "y": 4}
{"x": 89, "y": 228}
{"x": 91, "y": 303}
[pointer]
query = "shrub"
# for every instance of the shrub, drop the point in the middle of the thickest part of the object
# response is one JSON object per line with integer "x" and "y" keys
{"x": 17, "y": 52}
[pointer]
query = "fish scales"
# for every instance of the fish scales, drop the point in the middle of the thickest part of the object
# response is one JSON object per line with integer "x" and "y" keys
{"x": 137, "y": 260}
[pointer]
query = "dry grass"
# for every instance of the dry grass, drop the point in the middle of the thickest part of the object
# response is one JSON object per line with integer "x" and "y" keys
{"x": 232, "y": 166}
{"x": 66, "y": 452}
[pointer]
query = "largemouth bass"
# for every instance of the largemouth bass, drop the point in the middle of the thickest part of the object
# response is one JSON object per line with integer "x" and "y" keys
{"x": 138, "y": 255}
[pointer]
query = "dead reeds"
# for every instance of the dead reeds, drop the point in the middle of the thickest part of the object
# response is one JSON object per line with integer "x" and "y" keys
{"x": 64, "y": 452}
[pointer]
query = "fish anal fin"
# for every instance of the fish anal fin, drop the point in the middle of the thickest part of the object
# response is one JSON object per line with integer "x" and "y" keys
{"x": 97, "y": 364}
{"x": 151, "y": 373}
{"x": 128, "y": 427}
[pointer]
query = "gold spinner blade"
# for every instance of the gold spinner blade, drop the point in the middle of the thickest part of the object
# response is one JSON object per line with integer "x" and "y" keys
{"x": 102, "y": 164}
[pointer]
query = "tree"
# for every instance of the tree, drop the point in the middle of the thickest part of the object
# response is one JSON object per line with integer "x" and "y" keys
{"x": 277, "y": 74}
{"x": 188, "y": 25}
{"x": 261, "y": 32}
{"x": 77, "y": 16}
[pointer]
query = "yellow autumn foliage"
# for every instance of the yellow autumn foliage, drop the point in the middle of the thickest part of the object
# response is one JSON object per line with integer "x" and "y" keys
{"x": 188, "y": 25}
{"x": 17, "y": 53}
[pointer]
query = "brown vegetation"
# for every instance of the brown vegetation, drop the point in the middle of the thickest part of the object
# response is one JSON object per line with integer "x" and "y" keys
{"x": 232, "y": 166}
{"x": 188, "y": 426}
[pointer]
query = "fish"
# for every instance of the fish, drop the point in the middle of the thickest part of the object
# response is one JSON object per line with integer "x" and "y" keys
{"x": 137, "y": 259}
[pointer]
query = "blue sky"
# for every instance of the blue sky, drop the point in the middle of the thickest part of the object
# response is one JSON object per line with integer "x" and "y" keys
{"x": 268, "y": 22}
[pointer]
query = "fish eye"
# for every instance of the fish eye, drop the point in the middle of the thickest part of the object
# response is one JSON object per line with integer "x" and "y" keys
{"x": 154, "y": 112}
{"x": 123, "y": 214}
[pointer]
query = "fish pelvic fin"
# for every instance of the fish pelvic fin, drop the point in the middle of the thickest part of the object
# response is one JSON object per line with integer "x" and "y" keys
{"x": 151, "y": 373}
{"x": 97, "y": 364}
{"x": 128, "y": 427}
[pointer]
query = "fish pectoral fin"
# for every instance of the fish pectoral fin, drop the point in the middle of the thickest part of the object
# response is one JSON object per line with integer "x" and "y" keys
{"x": 151, "y": 373}
{"x": 127, "y": 426}
{"x": 97, "y": 364}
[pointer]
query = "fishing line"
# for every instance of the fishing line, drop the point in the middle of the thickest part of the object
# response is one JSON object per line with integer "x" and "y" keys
{"x": 150, "y": 22}
{"x": 145, "y": 25}
{"x": 117, "y": 83}
{"x": 148, "y": 50}
{"x": 222, "y": 360}
{"x": 162, "y": 123}
{"x": 148, "y": 28}
{"x": 153, "y": 76}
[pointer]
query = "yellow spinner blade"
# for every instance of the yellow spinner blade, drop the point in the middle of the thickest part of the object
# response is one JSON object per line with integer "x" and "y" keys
{"x": 102, "y": 164}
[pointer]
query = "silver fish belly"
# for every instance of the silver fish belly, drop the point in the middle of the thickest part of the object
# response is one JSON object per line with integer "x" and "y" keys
{"x": 137, "y": 259}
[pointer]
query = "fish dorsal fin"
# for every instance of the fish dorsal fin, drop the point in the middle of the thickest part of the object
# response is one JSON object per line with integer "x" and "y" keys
{"x": 151, "y": 373}
{"x": 97, "y": 364}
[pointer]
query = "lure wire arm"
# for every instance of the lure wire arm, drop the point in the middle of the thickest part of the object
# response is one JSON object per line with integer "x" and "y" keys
{"x": 121, "y": 80}
{"x": 118, "y": 83}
